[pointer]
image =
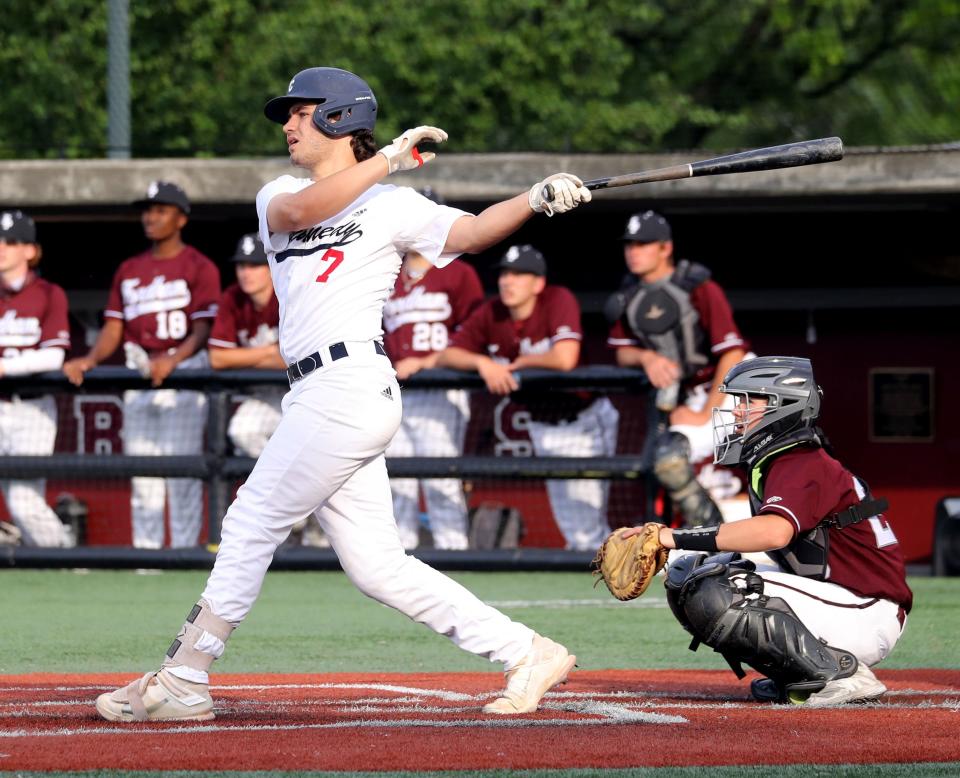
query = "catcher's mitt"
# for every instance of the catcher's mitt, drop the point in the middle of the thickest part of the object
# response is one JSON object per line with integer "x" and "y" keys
{"x": 628, "y": 565}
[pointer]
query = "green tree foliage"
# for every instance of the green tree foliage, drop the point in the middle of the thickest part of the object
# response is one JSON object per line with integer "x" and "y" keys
{"x": 498, "y": 75}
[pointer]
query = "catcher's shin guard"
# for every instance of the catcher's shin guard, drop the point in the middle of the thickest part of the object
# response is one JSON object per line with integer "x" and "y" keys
{"x": 200, "y": 640}
{"x": 671, "y": 466}
{"x": 745, "y": 626}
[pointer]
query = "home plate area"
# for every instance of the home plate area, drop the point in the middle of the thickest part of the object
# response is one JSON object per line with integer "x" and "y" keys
{"x": 614, "y": 718}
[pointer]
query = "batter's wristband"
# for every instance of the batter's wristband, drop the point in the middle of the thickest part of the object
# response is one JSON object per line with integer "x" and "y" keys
{"x": 696, "y": 539}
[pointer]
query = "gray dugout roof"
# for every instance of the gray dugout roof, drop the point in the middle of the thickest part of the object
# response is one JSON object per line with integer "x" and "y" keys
{"x": 864, "y": 172}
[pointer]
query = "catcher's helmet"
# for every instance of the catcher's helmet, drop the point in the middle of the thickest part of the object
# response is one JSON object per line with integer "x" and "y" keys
{"x": 793, "y": 403}
{"x": 345, "y": 102}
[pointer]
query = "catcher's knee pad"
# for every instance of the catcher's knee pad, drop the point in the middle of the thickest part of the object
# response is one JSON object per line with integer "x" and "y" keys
{"x": 200, "y": 640}
{"x": 745, "y": 626}
{"x": 671, "y": 466}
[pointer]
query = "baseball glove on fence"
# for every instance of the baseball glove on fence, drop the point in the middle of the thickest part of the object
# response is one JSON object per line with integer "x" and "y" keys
{"x": 628, "y": 565}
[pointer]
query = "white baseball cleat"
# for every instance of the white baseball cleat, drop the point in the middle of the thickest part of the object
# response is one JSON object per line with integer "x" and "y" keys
{"x": 158, "y": 696}
{"x": 859, "y": 687}
{"x": 546, "y": 666}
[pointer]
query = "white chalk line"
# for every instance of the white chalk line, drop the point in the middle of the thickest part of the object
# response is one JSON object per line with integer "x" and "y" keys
{"x": 608, "y": 602}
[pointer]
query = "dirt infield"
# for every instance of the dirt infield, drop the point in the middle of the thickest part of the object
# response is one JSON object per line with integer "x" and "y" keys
{"x": 433, "y": 722}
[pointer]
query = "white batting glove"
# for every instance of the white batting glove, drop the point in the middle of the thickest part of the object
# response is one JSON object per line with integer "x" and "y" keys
{"x": 136, "y": 358}
{"x": 402, "y": 154}
{"x": 568, "y": 193}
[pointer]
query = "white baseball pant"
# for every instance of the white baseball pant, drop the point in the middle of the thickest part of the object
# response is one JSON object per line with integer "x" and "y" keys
{"x": 434, "y": 424}
{"x": 166, "y": 422}
{"x": 254, "y": 421}
{"x": 580, "y": 505}
{"x": 326, "y": 458}
{"x": 29, "y": 427}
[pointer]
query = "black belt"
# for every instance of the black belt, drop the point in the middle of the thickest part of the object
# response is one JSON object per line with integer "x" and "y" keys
{"x": 307, "y": 365}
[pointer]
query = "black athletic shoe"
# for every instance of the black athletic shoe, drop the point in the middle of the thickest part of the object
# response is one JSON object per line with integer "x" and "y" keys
{"x": 767, "y": 690}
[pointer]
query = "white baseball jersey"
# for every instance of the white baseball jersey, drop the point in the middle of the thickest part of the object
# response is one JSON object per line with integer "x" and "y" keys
{"x": 332, "y": 279}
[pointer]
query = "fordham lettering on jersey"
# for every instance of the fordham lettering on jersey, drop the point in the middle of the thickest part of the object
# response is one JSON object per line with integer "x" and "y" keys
{"x": 419, "y": 305}
{"x": 158, "y": 295}
{"x": 157, "y": 298}
{"x": 33, "y": 317}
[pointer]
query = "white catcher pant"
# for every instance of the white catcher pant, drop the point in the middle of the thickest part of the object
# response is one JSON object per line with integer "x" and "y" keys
{"x": 29, "y": 427}
{"x": 434, "y": 424}
{"x": 866, "y": 627}
{"x": 326, "y": 457}
{"x": 580, "y": 505}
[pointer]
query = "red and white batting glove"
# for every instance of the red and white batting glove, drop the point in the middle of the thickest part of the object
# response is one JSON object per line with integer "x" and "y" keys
{"x": 402, "y": 154}
{"x": 567, "y": 191}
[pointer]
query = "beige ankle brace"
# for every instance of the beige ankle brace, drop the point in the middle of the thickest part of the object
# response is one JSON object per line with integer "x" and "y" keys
{"x": 200, "y": 620}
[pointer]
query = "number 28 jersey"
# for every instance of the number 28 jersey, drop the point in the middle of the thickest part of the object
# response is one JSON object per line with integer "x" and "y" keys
{"x": 333, "y": 278}
{"x": 420, "y": 318}
{"x": 157, "y": 299}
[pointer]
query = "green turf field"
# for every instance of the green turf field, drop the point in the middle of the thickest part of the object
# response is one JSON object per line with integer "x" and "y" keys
{"x": 120, "y": 621}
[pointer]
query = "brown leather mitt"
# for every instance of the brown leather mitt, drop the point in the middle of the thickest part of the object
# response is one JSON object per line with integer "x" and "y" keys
{"x": 628, "y": 565}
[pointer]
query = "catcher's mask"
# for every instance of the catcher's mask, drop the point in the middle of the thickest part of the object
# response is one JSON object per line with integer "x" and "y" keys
{"x": 345, "y": 102}
{"x": 791, "y": 401}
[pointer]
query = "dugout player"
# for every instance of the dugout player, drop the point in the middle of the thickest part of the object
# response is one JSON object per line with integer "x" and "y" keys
{"x": 245, "y": 334}
{"x": 335, "y": 242}
{"x": 34, "y": 336}
{"x": 834, "y": 599}
{"x": 676, "y": 324}
{"x": 534, "y": 324}
{"x": 161, "y": 306}
{"x": 419, "y": 318}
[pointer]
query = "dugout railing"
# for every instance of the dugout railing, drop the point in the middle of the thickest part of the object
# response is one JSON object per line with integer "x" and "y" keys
{"x": 221, "y": 470}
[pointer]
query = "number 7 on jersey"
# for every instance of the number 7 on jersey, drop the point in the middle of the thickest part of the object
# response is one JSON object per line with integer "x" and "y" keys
{"x": 334, "y": 257}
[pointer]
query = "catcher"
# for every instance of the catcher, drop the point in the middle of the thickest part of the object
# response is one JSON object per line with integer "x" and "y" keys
{"x": 833, "y": 599}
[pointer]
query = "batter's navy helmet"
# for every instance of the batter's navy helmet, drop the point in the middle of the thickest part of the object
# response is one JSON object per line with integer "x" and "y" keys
{"x": 345, "y": 102}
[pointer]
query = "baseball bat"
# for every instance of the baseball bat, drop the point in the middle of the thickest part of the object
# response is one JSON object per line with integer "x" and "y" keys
{"x": 804, "y": 152}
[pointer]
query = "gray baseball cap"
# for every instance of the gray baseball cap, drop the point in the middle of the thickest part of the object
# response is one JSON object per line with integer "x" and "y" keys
{"x": 164, "y": 193}
{"x": 17, "y": 227}
{"x": 250, "y": 250}
{"x": 647, "y": 227}
{"x": 524, "y": 259}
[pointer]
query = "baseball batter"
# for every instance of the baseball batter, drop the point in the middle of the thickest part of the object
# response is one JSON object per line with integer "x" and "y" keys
{"x": 533, "y": 324}
{"x": 34, "y": 336}
{"x": 161, "y": 306}
{"x": 335, "y": 242}
{"x": 245, "y": 334}
{"x": 833, "y": 599}
{"x": 419, "y": 318}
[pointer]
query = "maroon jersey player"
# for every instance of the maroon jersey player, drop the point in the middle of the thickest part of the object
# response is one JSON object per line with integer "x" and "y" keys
{"x": 34, "y": 336}
{"x": 161, "y": 306}
{"x": 427, "y": 306}
{"x": 245, "y": 335}
{"x": 833, "y": 599}
{"x": 674, "y": 322}
{"x": 534, "y": 325}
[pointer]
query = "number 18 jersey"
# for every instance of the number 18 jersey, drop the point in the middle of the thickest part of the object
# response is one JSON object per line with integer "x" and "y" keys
{"x": 157, "y": 299}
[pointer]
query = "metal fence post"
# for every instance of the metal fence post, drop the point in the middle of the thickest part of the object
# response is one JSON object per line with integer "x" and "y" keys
{"x": 218, "y": 485}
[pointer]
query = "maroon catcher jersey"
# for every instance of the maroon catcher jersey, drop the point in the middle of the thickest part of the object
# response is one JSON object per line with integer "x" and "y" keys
{"x": 239, "y": 323}
{"x": 157, "y": 299}
{"x": 716, "y": 319}
{"x": 34, "y": 317}
{"x": 491, "y": 331}
{"x": 420, "y": 317}
{"x": 804, "y": 486}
